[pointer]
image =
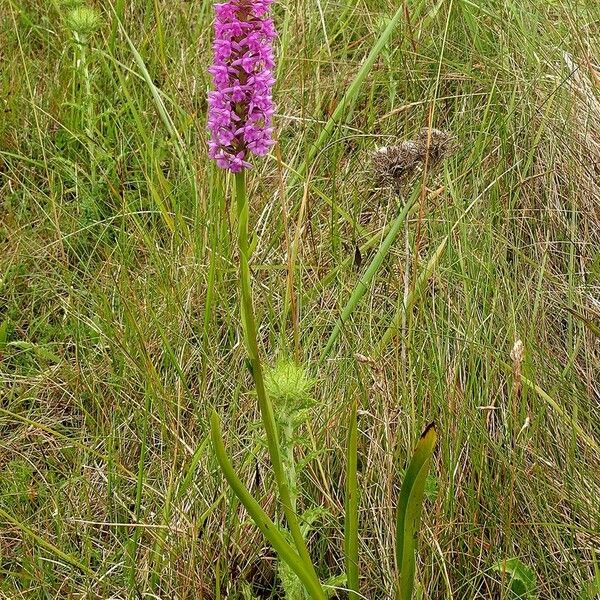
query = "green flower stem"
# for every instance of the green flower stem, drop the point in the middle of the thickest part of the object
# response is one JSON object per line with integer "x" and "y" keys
{"x": 86, "y": 115}
{"x": 264, "y": 404}
{"x": 291, "y": 585}
{"x": 289, "y": 465}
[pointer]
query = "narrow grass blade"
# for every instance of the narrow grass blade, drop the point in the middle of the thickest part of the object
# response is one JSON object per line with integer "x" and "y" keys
{"x": 412, "y": 297}
{"x": 408, "y": 514}
{"x": 365, "y": 282}
{"x": 586, "y": 322}
{"x": 119, "y": 15}
{"x": 77, "y": 444}
{"x": 158, "y": 102}
{"x": 40, "y": 541}
{"x": 351, "y": 508}
{"x": 189, "y": 476}
{"x": 260, "y": 517}
{"x": 564, "y": 417}
{"x": 373, "y": 241}
{"x": 132, "y": 543}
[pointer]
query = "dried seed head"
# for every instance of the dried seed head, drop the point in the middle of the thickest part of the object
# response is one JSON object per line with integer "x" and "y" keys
{"x": 395, "y": 165}
{"x": 436, "y": 143}
{"x": 517, "y": 355}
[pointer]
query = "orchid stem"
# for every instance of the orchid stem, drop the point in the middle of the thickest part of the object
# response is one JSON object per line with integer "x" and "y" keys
{"x": 264, "y": 404}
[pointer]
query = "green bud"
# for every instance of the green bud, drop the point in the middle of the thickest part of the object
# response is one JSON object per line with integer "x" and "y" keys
{"x": 289, "y": 386}
{"x": 83, "y": 21}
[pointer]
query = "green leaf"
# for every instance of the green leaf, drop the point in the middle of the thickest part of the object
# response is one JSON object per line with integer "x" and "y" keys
{"x": 521, "y": 579}
{"x": 260, "y": 517}
{"x": 431, "y": 487}
{"x": 332, "y": 584}
{"x": 3, "y": 334}
{"x": 408, "y": 514}
{"x": 40, "y": 351}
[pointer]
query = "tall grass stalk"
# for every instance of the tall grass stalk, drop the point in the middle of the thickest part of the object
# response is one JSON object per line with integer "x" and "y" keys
{"x": 351, "y": 542}
{"x": 345, "y": 106}
{"x": 364, "y": 283}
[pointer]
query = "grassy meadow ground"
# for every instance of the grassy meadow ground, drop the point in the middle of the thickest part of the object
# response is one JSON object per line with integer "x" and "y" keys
{"x": 119, "y": 317}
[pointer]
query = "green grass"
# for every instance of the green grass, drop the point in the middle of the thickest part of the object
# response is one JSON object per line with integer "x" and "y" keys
{"x": 119, "y": 318}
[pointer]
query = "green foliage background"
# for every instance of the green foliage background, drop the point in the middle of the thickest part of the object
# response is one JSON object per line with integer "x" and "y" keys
{"x": 119, "y": 311}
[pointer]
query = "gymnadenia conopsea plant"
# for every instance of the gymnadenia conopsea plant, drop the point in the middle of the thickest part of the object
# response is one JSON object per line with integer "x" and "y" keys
{"x": 240, "y": 124}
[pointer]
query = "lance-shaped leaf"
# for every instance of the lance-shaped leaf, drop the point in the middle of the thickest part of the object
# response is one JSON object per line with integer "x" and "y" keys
{"x": 408, "y": 514}
{"x": 260, "y": 517}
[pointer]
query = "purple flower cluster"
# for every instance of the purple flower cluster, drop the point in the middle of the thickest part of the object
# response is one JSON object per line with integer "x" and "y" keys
{"x": 241, "y": 106}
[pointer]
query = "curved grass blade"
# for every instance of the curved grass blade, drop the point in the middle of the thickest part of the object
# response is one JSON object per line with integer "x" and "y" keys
{"x": 595, "y": 329}
{"x": 562, "y": 413}
{"x": 409, "y": 509}
{"x": 343, "y": 110}
{"x": 407, "y": 306}
{"x": 351, "y": 520}
{"x": 49, "y": 546}
{"x": 260, "y": 517}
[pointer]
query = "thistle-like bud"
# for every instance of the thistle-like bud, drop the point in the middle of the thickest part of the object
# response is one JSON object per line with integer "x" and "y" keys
{"x": 83, "y": 21}
{"x": 241, "y": 106}
{"x": 289, "y": 386}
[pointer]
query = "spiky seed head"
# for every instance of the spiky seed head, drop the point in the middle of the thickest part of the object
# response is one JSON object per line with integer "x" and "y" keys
{"x": 394, "y": 164}
{"x": 397, "y": 164}
{"x": 438, "y": 144}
